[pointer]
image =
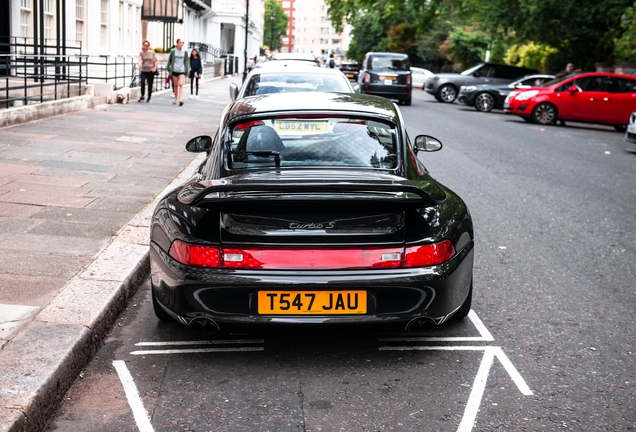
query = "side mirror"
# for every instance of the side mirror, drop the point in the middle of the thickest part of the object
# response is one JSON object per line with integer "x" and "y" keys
{"x": 199, "y": 144}
{"x": 234, "y": 91}
{"x": 356, "y": 87}
{"x": 427, "y": 143}
{"x": 476, "y": 74}
{"x": 573, "y": 89}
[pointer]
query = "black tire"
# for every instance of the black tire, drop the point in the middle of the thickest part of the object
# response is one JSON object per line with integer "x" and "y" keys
{"x": 527, "y": 119}
{"x": 447, "y": 93}
{"x": 159, "y": 311}
{"x": 407, "y": 102}
{"x": 463, "y": 311}
{"x": 545, "y": 114}
{"x": 620, "y": 128}
{"x": 484, "y": 102}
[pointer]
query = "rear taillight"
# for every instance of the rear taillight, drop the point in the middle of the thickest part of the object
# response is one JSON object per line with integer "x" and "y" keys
{"x": 408, "y": 80}
{"x": 367, "y": 78}
{"x": 311, "y": 259}
{"x": 249, "y": 124}
{"x": 429, "y": 255}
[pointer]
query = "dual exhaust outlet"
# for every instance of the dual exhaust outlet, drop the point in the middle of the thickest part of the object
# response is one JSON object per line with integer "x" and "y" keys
{"x": 420, "y": 325}
{"x": 204, "y": 325}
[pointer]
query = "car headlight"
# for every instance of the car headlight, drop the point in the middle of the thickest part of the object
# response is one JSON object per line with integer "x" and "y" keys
{"x": 470, "y": 89}
{"x": 526, "y": 95}
{"x": 632, "y": 118}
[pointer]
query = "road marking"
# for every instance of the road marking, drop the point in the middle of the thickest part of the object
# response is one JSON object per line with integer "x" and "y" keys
{"x": 136, "y": 405}
{"x": 513, "y": 372}
{"x": 196, "y": 350}
{"x": 477, "y": 392}
{"x": 481, "y": 328}
{"x": 208, "y": 342}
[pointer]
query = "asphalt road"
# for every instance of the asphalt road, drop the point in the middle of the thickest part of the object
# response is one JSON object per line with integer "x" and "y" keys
{"x": 549, "y": 345}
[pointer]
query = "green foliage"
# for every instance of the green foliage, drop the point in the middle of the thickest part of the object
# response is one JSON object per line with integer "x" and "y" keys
{"x": 467, "y": 48}
{"x": 625, "y": 48}
{"x": 367, "y": 35}
{"x": 273, "y": 29}
{"x": 530, "y": 55}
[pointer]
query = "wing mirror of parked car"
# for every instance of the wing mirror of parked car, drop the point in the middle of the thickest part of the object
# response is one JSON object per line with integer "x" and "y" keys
{"x": 427, "y": 143}
{"x": 476, "y": 74}
{"x": 199, "y": 144}
{"x": 234, "y": 91}
{"x": 573, "y": 89}
{"x": 356, "y": 87}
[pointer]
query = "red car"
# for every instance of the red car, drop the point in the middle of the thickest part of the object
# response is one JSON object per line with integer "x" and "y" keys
{"x": 596, "y": 97}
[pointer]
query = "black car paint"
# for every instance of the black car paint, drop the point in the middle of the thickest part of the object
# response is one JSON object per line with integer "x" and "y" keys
{"x": 227, "y": 296}
{"x": 401, "y": 89}
{"x": 498, "y": 91}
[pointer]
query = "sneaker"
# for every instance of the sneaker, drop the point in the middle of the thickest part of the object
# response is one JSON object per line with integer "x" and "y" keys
{"x": 197, "y": 97}
{"x": 180, "y": 103}
{"x": 141, "y": 99}
{"x": 148, "y": 101}
{"x": 190, "y": 97}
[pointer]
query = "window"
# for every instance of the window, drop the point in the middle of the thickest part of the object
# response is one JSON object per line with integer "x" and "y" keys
{"x": 104, "y": 24}
{"x": 79, "y": 21}
{"x": 25, "y": 18}
{"x": 129, "y": 28}
{"x": 121, "y": 27}
{"x": 620, "y": 85}
{"x": 326, "y": 141}
{"x": 49, "y": 19}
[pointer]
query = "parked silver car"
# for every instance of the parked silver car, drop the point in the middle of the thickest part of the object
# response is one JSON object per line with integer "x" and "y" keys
{"x": 445, "y": 86}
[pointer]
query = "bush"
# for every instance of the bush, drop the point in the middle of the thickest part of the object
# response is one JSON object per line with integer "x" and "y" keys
{"x": 157, "y": 50}
{"x": 531, "y": 55}
{"x": 466, "y": 48}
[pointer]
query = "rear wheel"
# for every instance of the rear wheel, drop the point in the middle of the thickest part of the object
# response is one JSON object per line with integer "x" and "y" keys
{"x": 407, "y": 101}
{"x": 545, "y": 114}
{"x": 447, "y": 93}
{"x": 484, "y": 102}
{"x": 463, "y": 311}
{"x": 159, "y": 311}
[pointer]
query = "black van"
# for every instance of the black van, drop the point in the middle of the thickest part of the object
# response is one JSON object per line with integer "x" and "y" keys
{"x": 386, "y": 74}
{"x": 445, "y": 86}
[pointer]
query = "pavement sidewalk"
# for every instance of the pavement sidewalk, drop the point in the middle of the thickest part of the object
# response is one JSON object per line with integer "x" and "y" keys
{"x": 76, "y": 196}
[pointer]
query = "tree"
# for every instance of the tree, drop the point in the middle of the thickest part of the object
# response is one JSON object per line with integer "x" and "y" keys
{"x": 274, "y": 28}
{"x": 625, "y": 48}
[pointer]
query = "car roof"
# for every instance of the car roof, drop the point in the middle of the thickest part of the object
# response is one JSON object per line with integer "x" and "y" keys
{"x": 365, "y": 105}
{"x": 286, "y": 63}
{"x": 291, "y": 68}
{"x": 293, "y": 56}
{"x": 392, "y": 54}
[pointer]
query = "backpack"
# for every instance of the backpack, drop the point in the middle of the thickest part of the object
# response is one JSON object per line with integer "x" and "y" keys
{"x": 332, "y": 63}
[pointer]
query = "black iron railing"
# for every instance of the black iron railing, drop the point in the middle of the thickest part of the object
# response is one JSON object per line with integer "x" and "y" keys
{"x": 32, "y": 78}
{"x": 207, "y": 52}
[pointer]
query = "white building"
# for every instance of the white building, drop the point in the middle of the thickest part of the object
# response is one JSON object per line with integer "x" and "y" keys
{"x": 117, "y": 27}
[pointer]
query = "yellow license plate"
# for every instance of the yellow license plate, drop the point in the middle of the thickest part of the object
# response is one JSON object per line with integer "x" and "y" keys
{"x": 349, "y": 75}
{"x": 312, "y": 302}
{"x": 297, "y": 126}
{"x": 388, "y": 77}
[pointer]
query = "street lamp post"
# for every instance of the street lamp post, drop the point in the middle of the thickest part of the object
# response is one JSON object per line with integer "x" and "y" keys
{"x": 272, "y": 17}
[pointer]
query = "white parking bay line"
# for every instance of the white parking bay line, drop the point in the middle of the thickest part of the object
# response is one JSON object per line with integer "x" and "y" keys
{"x": 476, "y": 394}
{"x": 136, "y": 405}
{"x": 207, "y": 342}
{"x": 196, "y": 350}
{"x": 481, "y": 328}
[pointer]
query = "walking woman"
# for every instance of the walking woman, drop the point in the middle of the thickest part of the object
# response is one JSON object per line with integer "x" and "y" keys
{"x": 147, "y": 64}
{"x": 196, "y": 69}
{"x": 178, "y": 67}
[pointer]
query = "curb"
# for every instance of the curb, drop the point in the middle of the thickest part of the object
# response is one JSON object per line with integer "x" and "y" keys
{"x": 39, "y": 364}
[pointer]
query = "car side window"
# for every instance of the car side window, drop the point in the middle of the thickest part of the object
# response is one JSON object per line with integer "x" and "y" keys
{"x": 585, "y": 84}
{"x": 620, "y": 85}
{"x": 488, "y": 71}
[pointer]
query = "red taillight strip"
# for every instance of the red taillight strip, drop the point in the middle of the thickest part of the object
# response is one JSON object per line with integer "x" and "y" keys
{"x": 312, "y": 259}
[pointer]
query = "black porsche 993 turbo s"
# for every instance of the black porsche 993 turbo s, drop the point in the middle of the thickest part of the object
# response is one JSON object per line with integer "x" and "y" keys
{"x": 311, "y": 211}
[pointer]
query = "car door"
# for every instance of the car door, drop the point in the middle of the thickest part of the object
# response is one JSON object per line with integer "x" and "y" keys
{"x": 583, "y": 102}
{"x": 484, "y": 75}
{"x": 619, "y": 101}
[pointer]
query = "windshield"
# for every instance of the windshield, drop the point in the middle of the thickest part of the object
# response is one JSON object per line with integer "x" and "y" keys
{"x": 286, "y": 82}
{"x": 472, "y": 69}
{"x": 301, "y": 141}
{"x": 388, "y": 62}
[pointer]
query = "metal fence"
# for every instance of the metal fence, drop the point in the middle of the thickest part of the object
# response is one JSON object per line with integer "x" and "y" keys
{"x": 33, "y": 78}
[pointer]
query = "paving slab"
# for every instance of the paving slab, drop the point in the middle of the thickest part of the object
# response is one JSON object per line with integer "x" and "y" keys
{"x": 77, "y": 193}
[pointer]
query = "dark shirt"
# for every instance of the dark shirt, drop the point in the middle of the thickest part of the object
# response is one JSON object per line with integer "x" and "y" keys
{"x": 195, "y": 66}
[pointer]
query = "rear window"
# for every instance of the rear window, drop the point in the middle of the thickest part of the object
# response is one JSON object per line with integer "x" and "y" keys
{"x": 313, "y": 142}
{"x": 295, "y": 82}
{"x": 390, "y": 62}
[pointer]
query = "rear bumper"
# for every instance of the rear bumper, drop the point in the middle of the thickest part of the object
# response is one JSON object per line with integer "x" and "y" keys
{"x": 229, "y": 297}
{"x": 397, "y": 91}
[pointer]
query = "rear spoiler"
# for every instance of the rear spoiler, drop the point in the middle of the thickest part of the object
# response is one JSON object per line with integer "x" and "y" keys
{"x": 194, "y": 193}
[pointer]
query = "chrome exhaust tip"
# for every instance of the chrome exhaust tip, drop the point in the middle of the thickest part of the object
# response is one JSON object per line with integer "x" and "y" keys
{"x": 419, "y": 325}
{"x": 204, "y": 325}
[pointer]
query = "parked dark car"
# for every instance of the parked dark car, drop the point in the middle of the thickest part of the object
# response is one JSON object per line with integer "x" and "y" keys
{"x": 351, "y": 70}
{"x": 386, "y": 74}
{"x": 486, "y": 97}
{"x": 445, "y": 86}
{"x": 593, "y": 97}
{"x": 311, "y": 211}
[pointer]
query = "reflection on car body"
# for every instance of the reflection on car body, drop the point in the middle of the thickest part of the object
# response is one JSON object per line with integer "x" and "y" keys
{"x": 311, "y": 213}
